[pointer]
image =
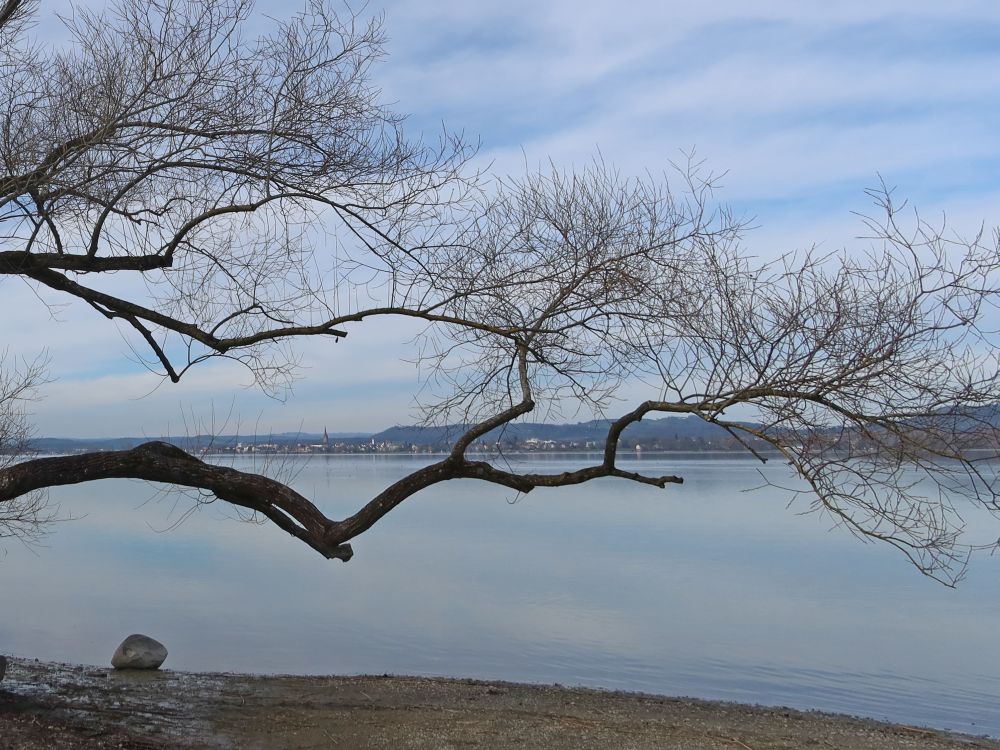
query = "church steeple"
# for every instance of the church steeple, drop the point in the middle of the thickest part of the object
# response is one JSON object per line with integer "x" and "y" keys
{"x": 326, "y": 438}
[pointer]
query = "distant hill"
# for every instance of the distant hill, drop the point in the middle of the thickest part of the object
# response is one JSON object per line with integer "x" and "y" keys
{"x": 966, "y": 418}
{"x": 188, "y": 442}
{"x": 665, "y": 429}
{"x": 668, "y": 433}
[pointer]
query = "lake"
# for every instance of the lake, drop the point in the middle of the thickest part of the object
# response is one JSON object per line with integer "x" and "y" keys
{"x": 700, "y": 589}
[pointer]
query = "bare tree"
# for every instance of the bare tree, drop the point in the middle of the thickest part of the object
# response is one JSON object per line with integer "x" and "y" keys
{"x": 247, "y": 192}
{"x": 23, "y": 516}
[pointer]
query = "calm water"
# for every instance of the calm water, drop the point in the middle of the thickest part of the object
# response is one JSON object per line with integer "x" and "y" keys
{"x": 698, "y": 590}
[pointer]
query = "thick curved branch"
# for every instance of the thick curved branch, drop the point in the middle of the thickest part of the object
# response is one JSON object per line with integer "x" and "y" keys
{"x": 162, "y": 462}
{"x": 460, "y": 468}
{"x": 519, "y": 409}
{"x": 60, "y": 283}
{"x": 636, "y": 415}
{"x": 527, "y": 482}
{"x": 13, "y": 262}
{"x": 8, "y": 9}
{"x": 147, "y": 335}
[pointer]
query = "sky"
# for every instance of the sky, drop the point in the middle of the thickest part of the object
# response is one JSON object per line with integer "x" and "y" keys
{"x": 802, "y": 105}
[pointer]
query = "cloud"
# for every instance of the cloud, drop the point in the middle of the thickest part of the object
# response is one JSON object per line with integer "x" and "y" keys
{"x": 348, "y": 386}
{"x": 802, "y": 105}
{"x": 786, "y": 98}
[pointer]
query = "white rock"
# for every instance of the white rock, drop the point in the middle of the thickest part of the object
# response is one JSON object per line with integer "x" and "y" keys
{"x": 139, "y": 652}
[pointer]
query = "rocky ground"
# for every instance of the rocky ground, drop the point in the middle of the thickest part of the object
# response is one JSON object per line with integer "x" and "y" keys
{"x": 59, "y": 707}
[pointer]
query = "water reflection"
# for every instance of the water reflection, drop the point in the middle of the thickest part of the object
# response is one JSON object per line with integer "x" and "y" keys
{"x": 699, "y": 590}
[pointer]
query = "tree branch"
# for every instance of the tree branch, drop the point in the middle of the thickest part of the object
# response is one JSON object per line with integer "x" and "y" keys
{"x": 162, "y": 462}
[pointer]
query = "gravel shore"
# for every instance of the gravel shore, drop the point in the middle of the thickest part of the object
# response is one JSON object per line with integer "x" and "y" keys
{"x": 63, "y": 707}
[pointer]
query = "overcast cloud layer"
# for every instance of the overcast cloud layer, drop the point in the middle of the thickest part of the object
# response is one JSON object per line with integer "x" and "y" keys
{"x": 803, "y": 107}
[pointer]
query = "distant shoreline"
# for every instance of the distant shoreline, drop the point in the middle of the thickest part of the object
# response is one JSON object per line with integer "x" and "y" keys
{"x": 622, "y": 454}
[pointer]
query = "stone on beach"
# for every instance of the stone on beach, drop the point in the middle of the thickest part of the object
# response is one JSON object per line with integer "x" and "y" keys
{"x": 139, "y": 652}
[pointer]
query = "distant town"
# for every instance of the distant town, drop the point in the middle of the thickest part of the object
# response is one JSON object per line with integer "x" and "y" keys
{"x": 651, "y": 435}
{"x": 979, "y": 429}
{"x": 527, "y": 445}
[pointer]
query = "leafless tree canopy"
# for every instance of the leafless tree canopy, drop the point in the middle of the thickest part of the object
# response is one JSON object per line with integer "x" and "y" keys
{"x": 23, "y": 516}
{"x": 222, "y": 194}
